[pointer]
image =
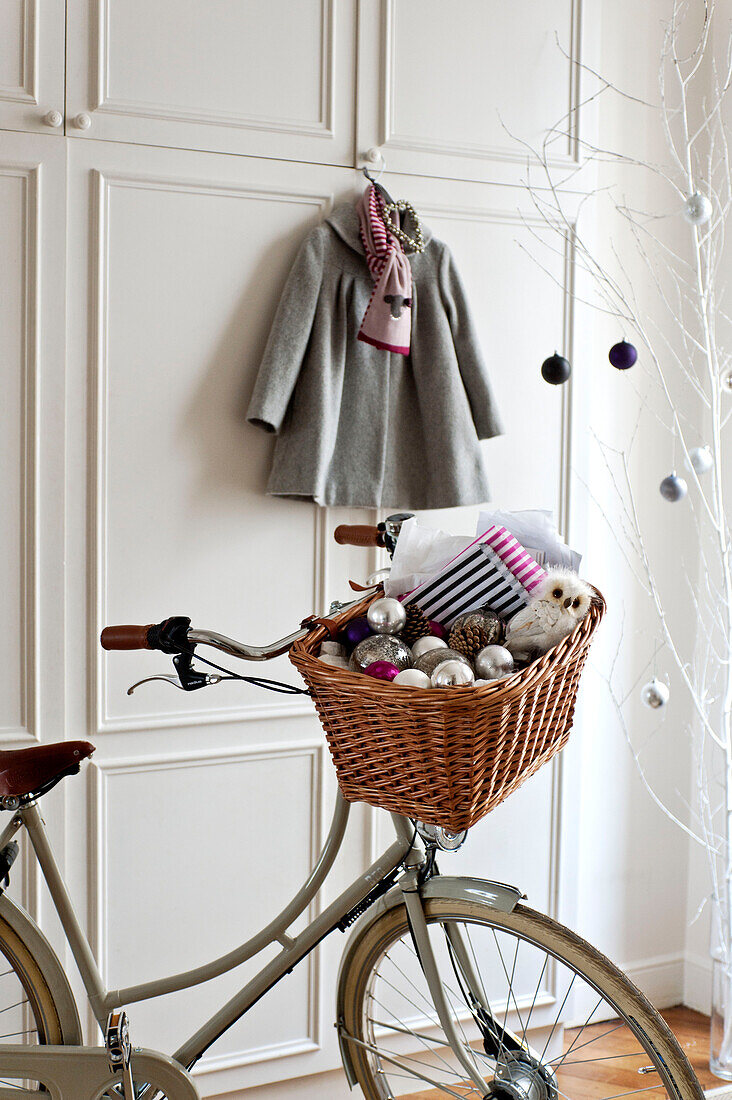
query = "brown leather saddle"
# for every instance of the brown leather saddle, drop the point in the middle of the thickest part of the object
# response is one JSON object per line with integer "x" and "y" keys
{"x": 35, "y": 770}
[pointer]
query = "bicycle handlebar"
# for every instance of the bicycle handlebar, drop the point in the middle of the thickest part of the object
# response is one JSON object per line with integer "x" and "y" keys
{"x": 358, "y": 535}
{"x": 126, "y": 637}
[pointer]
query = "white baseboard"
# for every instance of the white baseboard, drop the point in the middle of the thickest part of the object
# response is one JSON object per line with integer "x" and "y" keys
{"x": 720, "y": 1092}
{"x": 697, "y": 982}
{"x": 661, "y": 978}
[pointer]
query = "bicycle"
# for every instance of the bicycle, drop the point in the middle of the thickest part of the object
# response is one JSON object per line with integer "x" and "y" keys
{"x": 449, "y": 986}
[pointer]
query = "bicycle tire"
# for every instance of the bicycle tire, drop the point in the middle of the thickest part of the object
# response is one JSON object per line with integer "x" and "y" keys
{"x": 377, "y": 937}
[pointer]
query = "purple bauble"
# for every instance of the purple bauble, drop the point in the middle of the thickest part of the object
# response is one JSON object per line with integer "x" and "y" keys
{"x": 437, "y": 629}
{"x": 382, "y": 670}
{"x": 622, "y": 355}
{"x": 355, "y": 632}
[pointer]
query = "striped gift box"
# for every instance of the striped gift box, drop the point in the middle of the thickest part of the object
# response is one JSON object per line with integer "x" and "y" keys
{"x": 494, "y": 571}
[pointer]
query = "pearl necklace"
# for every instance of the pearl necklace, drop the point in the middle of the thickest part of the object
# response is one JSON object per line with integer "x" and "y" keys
{"x": 416, "y": 243}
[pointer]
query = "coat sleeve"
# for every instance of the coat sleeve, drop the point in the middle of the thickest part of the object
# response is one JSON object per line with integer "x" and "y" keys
{"x": 288, "y": 338}
{"x": 467, "y": 349}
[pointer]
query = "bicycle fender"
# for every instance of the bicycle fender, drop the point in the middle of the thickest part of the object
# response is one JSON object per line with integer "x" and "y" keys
{"x": 497, "y": 895}
{"x": 38, "y": 946}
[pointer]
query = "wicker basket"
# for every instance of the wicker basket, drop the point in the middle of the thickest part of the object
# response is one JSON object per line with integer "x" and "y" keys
{"x": 446, "y": 757}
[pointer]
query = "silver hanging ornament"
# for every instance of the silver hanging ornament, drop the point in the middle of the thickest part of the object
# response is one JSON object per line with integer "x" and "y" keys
{"x": 701, "y": 459}
{"x": 493, "y": 662}
{"x": 387, "y": 616}
{"x": 452, "y": 674}
{"x": 429, "y": 661}
{"x": 655, "y": 694}
{"x": 673, "y": 488}
{"x": 380, "y": 647}
{"x": 727, "y": 380}
{"x": 697, "y": 209}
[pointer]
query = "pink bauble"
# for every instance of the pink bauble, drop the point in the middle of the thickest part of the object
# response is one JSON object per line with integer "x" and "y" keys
{"x": 382, "y": 670}
{"x": 438, "y": 630}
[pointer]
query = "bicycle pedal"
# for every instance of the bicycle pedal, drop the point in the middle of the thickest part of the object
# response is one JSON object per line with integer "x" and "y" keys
{"x": 119, "y": 1050}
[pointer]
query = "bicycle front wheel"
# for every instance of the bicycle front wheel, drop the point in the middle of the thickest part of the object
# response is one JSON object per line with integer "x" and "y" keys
{"x": 545, "y": 1015}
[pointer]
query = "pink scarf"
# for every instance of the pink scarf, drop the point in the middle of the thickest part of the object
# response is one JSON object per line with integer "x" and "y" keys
{"x": 387, "y": 322}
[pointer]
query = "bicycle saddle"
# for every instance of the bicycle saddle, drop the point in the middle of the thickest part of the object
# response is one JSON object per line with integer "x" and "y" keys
{"x": 25, "y": 771}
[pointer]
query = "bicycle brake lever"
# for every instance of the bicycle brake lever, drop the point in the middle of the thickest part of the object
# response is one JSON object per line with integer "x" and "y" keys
{"x": 206, "y": 680}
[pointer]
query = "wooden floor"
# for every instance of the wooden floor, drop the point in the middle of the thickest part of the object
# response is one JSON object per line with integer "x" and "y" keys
{"x": 581, "y": 1079}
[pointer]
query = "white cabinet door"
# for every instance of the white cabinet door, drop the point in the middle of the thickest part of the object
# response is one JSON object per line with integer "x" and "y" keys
{"x": 263, "y": 77}
{"x": 443, "y": 87}
{"x": 210, "y": 806}
{"x": 32, "y": 65}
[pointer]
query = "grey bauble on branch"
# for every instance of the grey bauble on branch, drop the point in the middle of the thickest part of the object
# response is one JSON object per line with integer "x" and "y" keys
{"x": 452, "y": 674}
{"x": 429, "y": 661}
{"x": 380, "y": 647}
{"x": 673, "y": 488}
{"x": 493, "y": 662}
{"x": 387, "y": 616}
{"x": 655, "y": 694}
{"x": 697, "y": 209}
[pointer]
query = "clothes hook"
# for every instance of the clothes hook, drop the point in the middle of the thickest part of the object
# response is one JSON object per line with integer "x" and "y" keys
{"x": 374, "y": 156}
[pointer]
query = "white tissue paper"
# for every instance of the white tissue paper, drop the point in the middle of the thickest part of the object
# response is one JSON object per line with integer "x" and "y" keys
{"x": 536, "y": 530}
{"x": 420, "y": 553}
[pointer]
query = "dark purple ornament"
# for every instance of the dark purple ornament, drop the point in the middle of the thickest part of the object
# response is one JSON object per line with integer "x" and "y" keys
{"x": 355, "y": 632}
{"x": 437, "y": 629}
{"x": 622, "y": 355}
{"x": 555, "y": 370}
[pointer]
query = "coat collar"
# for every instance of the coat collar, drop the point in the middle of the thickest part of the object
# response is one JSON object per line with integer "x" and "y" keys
{"x": 344, "y": 221}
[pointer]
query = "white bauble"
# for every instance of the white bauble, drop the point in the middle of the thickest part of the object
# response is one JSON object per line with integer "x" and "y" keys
{"x": 423, "y": 645}
{"x": 655, "y": 694}
{"x": 333, "y": 659}
{"x": 701, "y": 459}
{"x": 387, "y": 616}
{"x": 412, "y": 677}
{"x": 697, "y": 209}
{"x": 452, "y": 674}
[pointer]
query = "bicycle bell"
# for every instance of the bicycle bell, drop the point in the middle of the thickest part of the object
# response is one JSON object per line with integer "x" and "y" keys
{"x": 391, "y": 527}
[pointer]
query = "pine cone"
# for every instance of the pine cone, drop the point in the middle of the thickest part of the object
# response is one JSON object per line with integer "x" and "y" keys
{"x": 468, "y": 640}
{"x": 416, "y": 625}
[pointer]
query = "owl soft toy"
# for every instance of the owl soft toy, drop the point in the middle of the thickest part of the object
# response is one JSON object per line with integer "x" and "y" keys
{"x": 558, "y": 603}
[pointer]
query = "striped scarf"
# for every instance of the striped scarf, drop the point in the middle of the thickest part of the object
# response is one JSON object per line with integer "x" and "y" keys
{"x": 387, "y": 321}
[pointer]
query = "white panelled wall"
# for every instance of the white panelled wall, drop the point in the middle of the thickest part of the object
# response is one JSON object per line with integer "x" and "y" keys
{"x": 159, "y": 166}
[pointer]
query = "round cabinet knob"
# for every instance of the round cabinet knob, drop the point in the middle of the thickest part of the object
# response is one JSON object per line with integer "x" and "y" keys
{"x": 374, "y": 156}
{"x": 53, "y": 118}
{"x": 82, "y": 121}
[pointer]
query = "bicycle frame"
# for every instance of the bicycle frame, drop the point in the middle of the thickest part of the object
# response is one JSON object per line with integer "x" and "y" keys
{"x": 294, "y": 949}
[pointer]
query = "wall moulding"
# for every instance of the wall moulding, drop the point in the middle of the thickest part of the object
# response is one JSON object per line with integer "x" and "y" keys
{"x": 102, "y": 774}
{"x": 104, "y": 187}
{"x": 28, "y": 459}
{"x": 320, "y": 127}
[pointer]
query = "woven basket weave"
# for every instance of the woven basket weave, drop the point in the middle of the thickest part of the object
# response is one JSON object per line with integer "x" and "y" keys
{"x": 446, "y": 757}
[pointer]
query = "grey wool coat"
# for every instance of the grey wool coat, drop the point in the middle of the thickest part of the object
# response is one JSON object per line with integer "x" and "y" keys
{"x": 363, "y": 427}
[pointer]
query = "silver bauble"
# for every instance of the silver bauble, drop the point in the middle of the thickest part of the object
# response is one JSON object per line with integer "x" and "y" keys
{"x": 387, "y": 616}
{"x": 655, "y": 694}
{"x": 727, "y": 380}
{"x": 380, "y": 647}
{"x": 673, "y": 488}
{"x": 493, "y": 662}
{"x": 429, "y": 661}
{"x": 484, "y": 617}
{"x": 333, "y": 659}
{"x": 697, "y": 209}
{"x": 452, "y": 674}
{"x": 424, "y": 645}
{"x": 335, "y": 649}
{"x": 701, "y": 459}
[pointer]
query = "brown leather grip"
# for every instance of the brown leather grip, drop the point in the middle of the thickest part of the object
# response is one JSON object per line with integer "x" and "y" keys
{"x": 125, "y": 637}
{"x": 358, "y": 535}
